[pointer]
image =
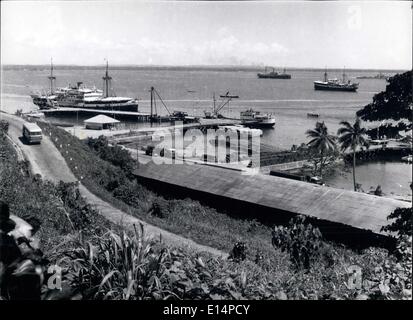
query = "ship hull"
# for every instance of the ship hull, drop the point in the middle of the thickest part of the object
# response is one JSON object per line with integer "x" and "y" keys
{"x": 113, "y": 107}
{"x": 259, "y": 124}
{"x": 328, "y": 87}
{"x": 279, "y": 76}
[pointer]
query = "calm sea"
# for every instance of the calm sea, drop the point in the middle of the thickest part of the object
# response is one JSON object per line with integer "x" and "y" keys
{"x": 191, "y": 90}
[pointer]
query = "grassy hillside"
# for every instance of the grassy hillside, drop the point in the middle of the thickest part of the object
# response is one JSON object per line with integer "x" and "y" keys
{"x": 102, "y": 261}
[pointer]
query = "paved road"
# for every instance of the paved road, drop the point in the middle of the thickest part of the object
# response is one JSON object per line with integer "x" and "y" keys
{"x": 46, "y": 160}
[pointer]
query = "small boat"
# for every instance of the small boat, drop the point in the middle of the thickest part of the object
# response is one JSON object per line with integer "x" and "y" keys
{"x": 230, "y": 96}
{"x": 407, "y": 159}
{"x": 312, "y": 115}
{"x": 251, "y": 118}
{"x": 273, "y": 74}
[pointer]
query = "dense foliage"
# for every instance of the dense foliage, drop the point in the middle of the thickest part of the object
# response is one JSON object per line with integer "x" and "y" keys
{"x": 114, "y": 154}
{"x": 394, "y": 103}
{"x": 403, "y": 222}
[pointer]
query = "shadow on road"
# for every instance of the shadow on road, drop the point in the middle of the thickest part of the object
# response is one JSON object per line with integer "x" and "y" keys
{"x": 25, "y": 142}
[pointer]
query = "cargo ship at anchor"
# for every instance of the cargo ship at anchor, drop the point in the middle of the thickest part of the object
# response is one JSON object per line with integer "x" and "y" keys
{"x": 273, "y": 74}
{"x": 335, "y": 84}
{"x": 82, "y": 97}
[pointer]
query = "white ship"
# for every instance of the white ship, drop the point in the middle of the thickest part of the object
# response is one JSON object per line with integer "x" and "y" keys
{"x": 83, "y": 97}
{"x": 251, "y": 118}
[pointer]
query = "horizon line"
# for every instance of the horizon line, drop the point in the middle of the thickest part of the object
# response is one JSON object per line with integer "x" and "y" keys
{"x": 203, "y": 66}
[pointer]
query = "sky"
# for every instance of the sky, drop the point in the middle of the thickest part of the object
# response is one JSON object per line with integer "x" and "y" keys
{"x": 355, "y": 34}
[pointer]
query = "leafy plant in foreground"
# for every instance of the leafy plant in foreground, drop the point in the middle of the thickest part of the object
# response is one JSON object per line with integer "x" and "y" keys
{"x": 118, "y": 267}
{"x": 300, "y": 239}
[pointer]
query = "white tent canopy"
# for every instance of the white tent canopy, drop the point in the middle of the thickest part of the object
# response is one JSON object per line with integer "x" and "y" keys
{"x": 100, "y": 122}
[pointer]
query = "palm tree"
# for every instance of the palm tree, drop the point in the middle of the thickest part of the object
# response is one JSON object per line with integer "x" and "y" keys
{"x": 351, "y": 137}
{"x": 321, "y": 141}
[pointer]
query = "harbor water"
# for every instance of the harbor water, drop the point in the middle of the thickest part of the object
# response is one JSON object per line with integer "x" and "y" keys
{"x": 192, "y": 89}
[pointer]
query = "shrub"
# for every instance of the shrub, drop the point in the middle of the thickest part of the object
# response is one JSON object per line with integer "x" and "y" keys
{"x": 114, "y": 154}
{"x": 131, "y": 193}
{"x": 160, "y": 208}
{"x": 403, "y": 223}
{"x": 239, "y": 252}
{"x": 4, "y": 127}
{"x": 300, "y": 239}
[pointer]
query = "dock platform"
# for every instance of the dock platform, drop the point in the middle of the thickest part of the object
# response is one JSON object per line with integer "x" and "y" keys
{"x": 130, "y": 115}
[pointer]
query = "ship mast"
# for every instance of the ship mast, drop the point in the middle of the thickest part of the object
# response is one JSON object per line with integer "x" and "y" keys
{"x": 106, "y": 80}
{"x": 214, "y": 102}
{"x": 152, "y": 102}
{"x": 51, "y": 77}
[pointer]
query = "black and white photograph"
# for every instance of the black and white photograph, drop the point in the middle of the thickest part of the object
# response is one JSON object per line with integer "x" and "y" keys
{"x": 191, "y": 152}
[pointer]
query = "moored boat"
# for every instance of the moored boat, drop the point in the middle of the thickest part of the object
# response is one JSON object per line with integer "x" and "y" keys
{"x": 335, "y": 84}
{"x": 251, "y": 118}
{"x": 312, "y": 115}
{"x": 80, "y": 96}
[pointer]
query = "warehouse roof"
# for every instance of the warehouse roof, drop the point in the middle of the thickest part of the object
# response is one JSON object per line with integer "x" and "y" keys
{"x": 101, "y": 119}
{"x": 355, "y": 209}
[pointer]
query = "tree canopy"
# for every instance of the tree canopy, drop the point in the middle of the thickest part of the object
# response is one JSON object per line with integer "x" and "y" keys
{"x": 395, "y": 103}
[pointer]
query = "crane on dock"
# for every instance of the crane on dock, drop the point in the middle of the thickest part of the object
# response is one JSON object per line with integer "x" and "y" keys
{"x": 215, "y": 110}
{"x": 172, "y": 116}
{"x": 154, "y": 94}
